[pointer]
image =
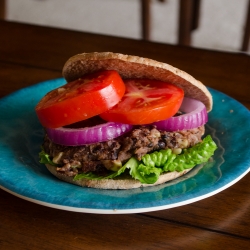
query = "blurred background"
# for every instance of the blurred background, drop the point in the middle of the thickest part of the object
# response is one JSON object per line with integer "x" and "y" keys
{"x": 221, "y": 22}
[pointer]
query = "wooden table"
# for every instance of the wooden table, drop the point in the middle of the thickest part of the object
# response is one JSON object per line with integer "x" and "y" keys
{"x": 30, "y": 54}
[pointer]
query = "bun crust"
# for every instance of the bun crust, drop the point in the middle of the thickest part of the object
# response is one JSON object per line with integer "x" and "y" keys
{"x": 136, "y": 67}
{"x": 118, "y": 183}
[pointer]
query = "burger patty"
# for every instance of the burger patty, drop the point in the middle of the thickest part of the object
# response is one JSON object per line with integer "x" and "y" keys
{"x": 100, "y": 157}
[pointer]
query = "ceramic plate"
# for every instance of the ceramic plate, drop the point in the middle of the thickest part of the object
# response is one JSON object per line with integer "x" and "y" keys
{"x": 22, "y": 175}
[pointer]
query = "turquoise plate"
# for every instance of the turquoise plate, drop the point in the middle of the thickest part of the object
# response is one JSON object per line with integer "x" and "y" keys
{"x": 22, "y": 175}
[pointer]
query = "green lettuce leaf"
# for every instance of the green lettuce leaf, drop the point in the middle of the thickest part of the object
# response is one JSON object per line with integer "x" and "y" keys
{"x": 199, "y": 153}
{"x": 166, "y": 161}
{"x": 145, "y": 174}
{"x": 44, "y": 158}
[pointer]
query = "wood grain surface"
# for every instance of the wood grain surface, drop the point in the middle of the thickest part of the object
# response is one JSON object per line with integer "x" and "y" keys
{"x": 30, "y": 54}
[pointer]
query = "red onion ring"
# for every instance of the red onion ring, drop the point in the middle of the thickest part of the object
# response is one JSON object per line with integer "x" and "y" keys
{"x": 195, "y": 116}
{"x": 87, "y": 135}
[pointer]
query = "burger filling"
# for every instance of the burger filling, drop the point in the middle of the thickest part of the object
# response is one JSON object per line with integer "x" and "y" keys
{"x": 103, "y": 157}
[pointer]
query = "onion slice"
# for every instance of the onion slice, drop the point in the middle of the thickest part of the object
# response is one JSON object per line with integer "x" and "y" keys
{"x": 87, "y": 135}
{"x": 195, "y": 115}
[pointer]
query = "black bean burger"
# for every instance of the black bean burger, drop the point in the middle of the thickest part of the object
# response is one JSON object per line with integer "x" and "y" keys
{"x": 123, "y": 122}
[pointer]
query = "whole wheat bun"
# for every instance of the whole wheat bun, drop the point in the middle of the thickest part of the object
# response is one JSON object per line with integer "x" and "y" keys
{"x": 130, "y": 67}
{"x": 118, "y": 183}
{"x": 136, "y": 67}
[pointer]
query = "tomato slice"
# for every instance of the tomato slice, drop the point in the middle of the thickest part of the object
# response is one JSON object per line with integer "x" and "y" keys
{"x": 146, "y": 101}
{"x": 81, "y": 99}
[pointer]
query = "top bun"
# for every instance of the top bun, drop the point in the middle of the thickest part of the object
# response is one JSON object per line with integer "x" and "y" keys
{"x": 136, "y": 67}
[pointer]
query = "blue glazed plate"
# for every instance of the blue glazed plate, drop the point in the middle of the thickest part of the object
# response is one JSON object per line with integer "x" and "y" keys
{"x": 22, "y": 175}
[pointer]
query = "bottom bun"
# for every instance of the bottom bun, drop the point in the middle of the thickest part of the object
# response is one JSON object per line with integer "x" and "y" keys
{"x": 118, "y": 183}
